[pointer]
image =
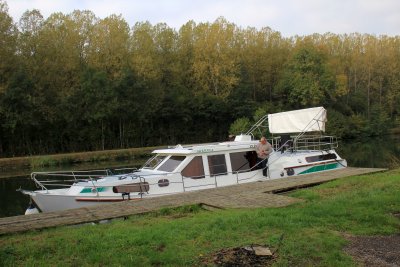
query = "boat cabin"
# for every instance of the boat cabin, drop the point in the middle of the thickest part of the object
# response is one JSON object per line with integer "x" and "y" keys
{"x": 216, "y": 161}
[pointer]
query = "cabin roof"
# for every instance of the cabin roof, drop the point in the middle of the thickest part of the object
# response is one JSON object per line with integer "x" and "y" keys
{"x": 207, "y": 148}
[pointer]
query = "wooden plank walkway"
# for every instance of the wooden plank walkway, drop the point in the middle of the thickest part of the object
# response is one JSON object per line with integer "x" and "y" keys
{"x": 249, "y": 195}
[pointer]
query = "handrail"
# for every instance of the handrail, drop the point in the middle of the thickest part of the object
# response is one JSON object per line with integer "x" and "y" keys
{"x": 55, "y": 182}
{"x": 323, "y": 142}
{"x": 78, "y": 176}
{"x": 257, "y": 125}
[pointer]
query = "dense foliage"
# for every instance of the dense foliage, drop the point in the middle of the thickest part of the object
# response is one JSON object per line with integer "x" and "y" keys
{"x": 74, "y": 82}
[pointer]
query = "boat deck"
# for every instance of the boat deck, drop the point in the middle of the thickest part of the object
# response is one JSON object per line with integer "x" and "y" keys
{"x": 249, "y": 195}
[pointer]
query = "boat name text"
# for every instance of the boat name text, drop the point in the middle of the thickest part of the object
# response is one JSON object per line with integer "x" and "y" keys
{"x": 204, "y": 150}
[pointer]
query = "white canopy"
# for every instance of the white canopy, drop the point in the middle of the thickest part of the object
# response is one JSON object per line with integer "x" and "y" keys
{"x": 296, "y": 121}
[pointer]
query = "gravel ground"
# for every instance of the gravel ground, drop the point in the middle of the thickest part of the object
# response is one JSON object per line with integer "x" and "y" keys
{"x": 375, "y": 250}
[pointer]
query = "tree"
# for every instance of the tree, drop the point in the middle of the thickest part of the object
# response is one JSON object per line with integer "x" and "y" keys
{"x": 8, "y": 39}
{"x": 20, "y": 115}
{"x": 8, "y": 42}
{"x": 109, "y": 49}
{"x": 215, "y": 66}
{"x": 82, "y": 24}
{"x": 30, "y": 25}
{"x": 143, "y": 49}
{"x": 307, "y": 80}
{"x": 262, "y": 55}
{"x": 94, "y": 104}
{"x": 239, "y": 126}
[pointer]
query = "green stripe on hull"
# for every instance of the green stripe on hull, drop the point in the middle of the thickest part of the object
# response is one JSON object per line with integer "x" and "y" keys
{"x": 89, "y": 189}
{"x": 319, "y": 168}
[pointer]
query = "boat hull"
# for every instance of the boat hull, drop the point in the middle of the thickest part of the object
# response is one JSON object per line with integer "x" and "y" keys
{"x": 51, "y": 200}
{"x": 48, "y": 202}
{"x": 178, "y": 170}
{"x": 290, "y": 164}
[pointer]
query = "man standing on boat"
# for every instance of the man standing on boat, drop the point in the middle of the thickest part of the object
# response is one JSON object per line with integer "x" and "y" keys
{"x": 263, "y": 150}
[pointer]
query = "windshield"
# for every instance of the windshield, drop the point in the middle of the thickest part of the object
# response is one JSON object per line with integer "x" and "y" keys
{"x": 171, "y": 164}
{"x": 153, "y": 162}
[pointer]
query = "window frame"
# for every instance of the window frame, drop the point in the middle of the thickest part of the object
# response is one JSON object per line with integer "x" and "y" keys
{"x": 212, "y": 167}
{"x": 248, "y": 165}
{"x": 200, "y": 166}
{"x": 170, "y": 163}
{"x": 154, "y": 162}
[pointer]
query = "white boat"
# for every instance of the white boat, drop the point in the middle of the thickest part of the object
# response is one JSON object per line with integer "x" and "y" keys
{"x": 203, "y": 166}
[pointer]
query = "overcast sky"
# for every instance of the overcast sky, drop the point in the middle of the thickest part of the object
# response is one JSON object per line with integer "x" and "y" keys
{"x": 290, "y": 17}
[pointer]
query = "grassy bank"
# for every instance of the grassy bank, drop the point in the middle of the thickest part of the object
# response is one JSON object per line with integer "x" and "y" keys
{"x": 307, "y": 234}
{"x": 32, "y": 162}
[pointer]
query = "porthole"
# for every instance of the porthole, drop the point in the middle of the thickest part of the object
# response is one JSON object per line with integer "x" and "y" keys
{"x": 290, "y": 172}
{"x": 163, "y": 182}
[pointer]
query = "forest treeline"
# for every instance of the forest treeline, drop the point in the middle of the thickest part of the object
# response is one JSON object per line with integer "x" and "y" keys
{"x": 74, "y": 82}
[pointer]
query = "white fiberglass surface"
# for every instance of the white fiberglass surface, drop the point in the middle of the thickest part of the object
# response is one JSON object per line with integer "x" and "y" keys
{"x": 62, "y": 191}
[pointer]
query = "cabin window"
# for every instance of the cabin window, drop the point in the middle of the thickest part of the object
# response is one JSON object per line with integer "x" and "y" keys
{"x": 170, "y": 164}
{"x": 194, "y": 169}
{"x": 321, "y": 157}
{"x": 217, "y": 165}
{"x": 243, "y": 161}
{"x": 154, "y": 162}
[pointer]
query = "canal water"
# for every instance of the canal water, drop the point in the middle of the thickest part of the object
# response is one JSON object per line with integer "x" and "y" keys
{"x": 14, "y": 203}
{"x": 383, "y": 152}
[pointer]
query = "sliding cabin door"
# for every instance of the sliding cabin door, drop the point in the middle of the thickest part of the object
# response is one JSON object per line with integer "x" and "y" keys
{"x": 194, "y": 175}
{"x": 243, "y": 165}
{"x": 218, "y": 169}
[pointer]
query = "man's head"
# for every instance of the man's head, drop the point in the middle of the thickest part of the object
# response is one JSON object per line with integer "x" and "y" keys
{"x": 263, "y": 140}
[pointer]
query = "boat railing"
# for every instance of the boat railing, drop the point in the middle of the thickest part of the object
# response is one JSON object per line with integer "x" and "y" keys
{"x": 57, "y": 179}
{"x": 52, "y": 179}
{"x": 304, "y": 142}
{"x": 260, "y": 126}
{"x": 45, "y": 180}
{"x": 214, "y": 182}
{"x": 318, "y": 142}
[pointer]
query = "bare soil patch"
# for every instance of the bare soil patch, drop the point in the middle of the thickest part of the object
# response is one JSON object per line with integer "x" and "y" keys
{"x": 241, "y": 256}
{"x": 375, "y": 250}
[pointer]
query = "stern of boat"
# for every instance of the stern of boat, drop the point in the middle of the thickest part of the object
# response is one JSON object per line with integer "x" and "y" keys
{"x": 289, "y": 164}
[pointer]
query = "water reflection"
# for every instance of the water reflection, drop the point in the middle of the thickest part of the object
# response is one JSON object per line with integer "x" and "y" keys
{"x": 13, "y": 202}
{"x": 377, "y": 152}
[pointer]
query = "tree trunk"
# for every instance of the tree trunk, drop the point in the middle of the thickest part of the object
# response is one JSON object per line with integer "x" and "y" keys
{"x": 102, "y": 135}
{"x": 121, "y": 134}
{"x": 380, "y": 91}
{"x": 369, "y": 91}
{"x": 254, "y": 87}
{"x": 355, "y": 80}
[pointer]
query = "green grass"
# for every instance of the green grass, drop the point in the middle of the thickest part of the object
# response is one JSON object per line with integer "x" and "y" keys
{"x": 305, "y": 234}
